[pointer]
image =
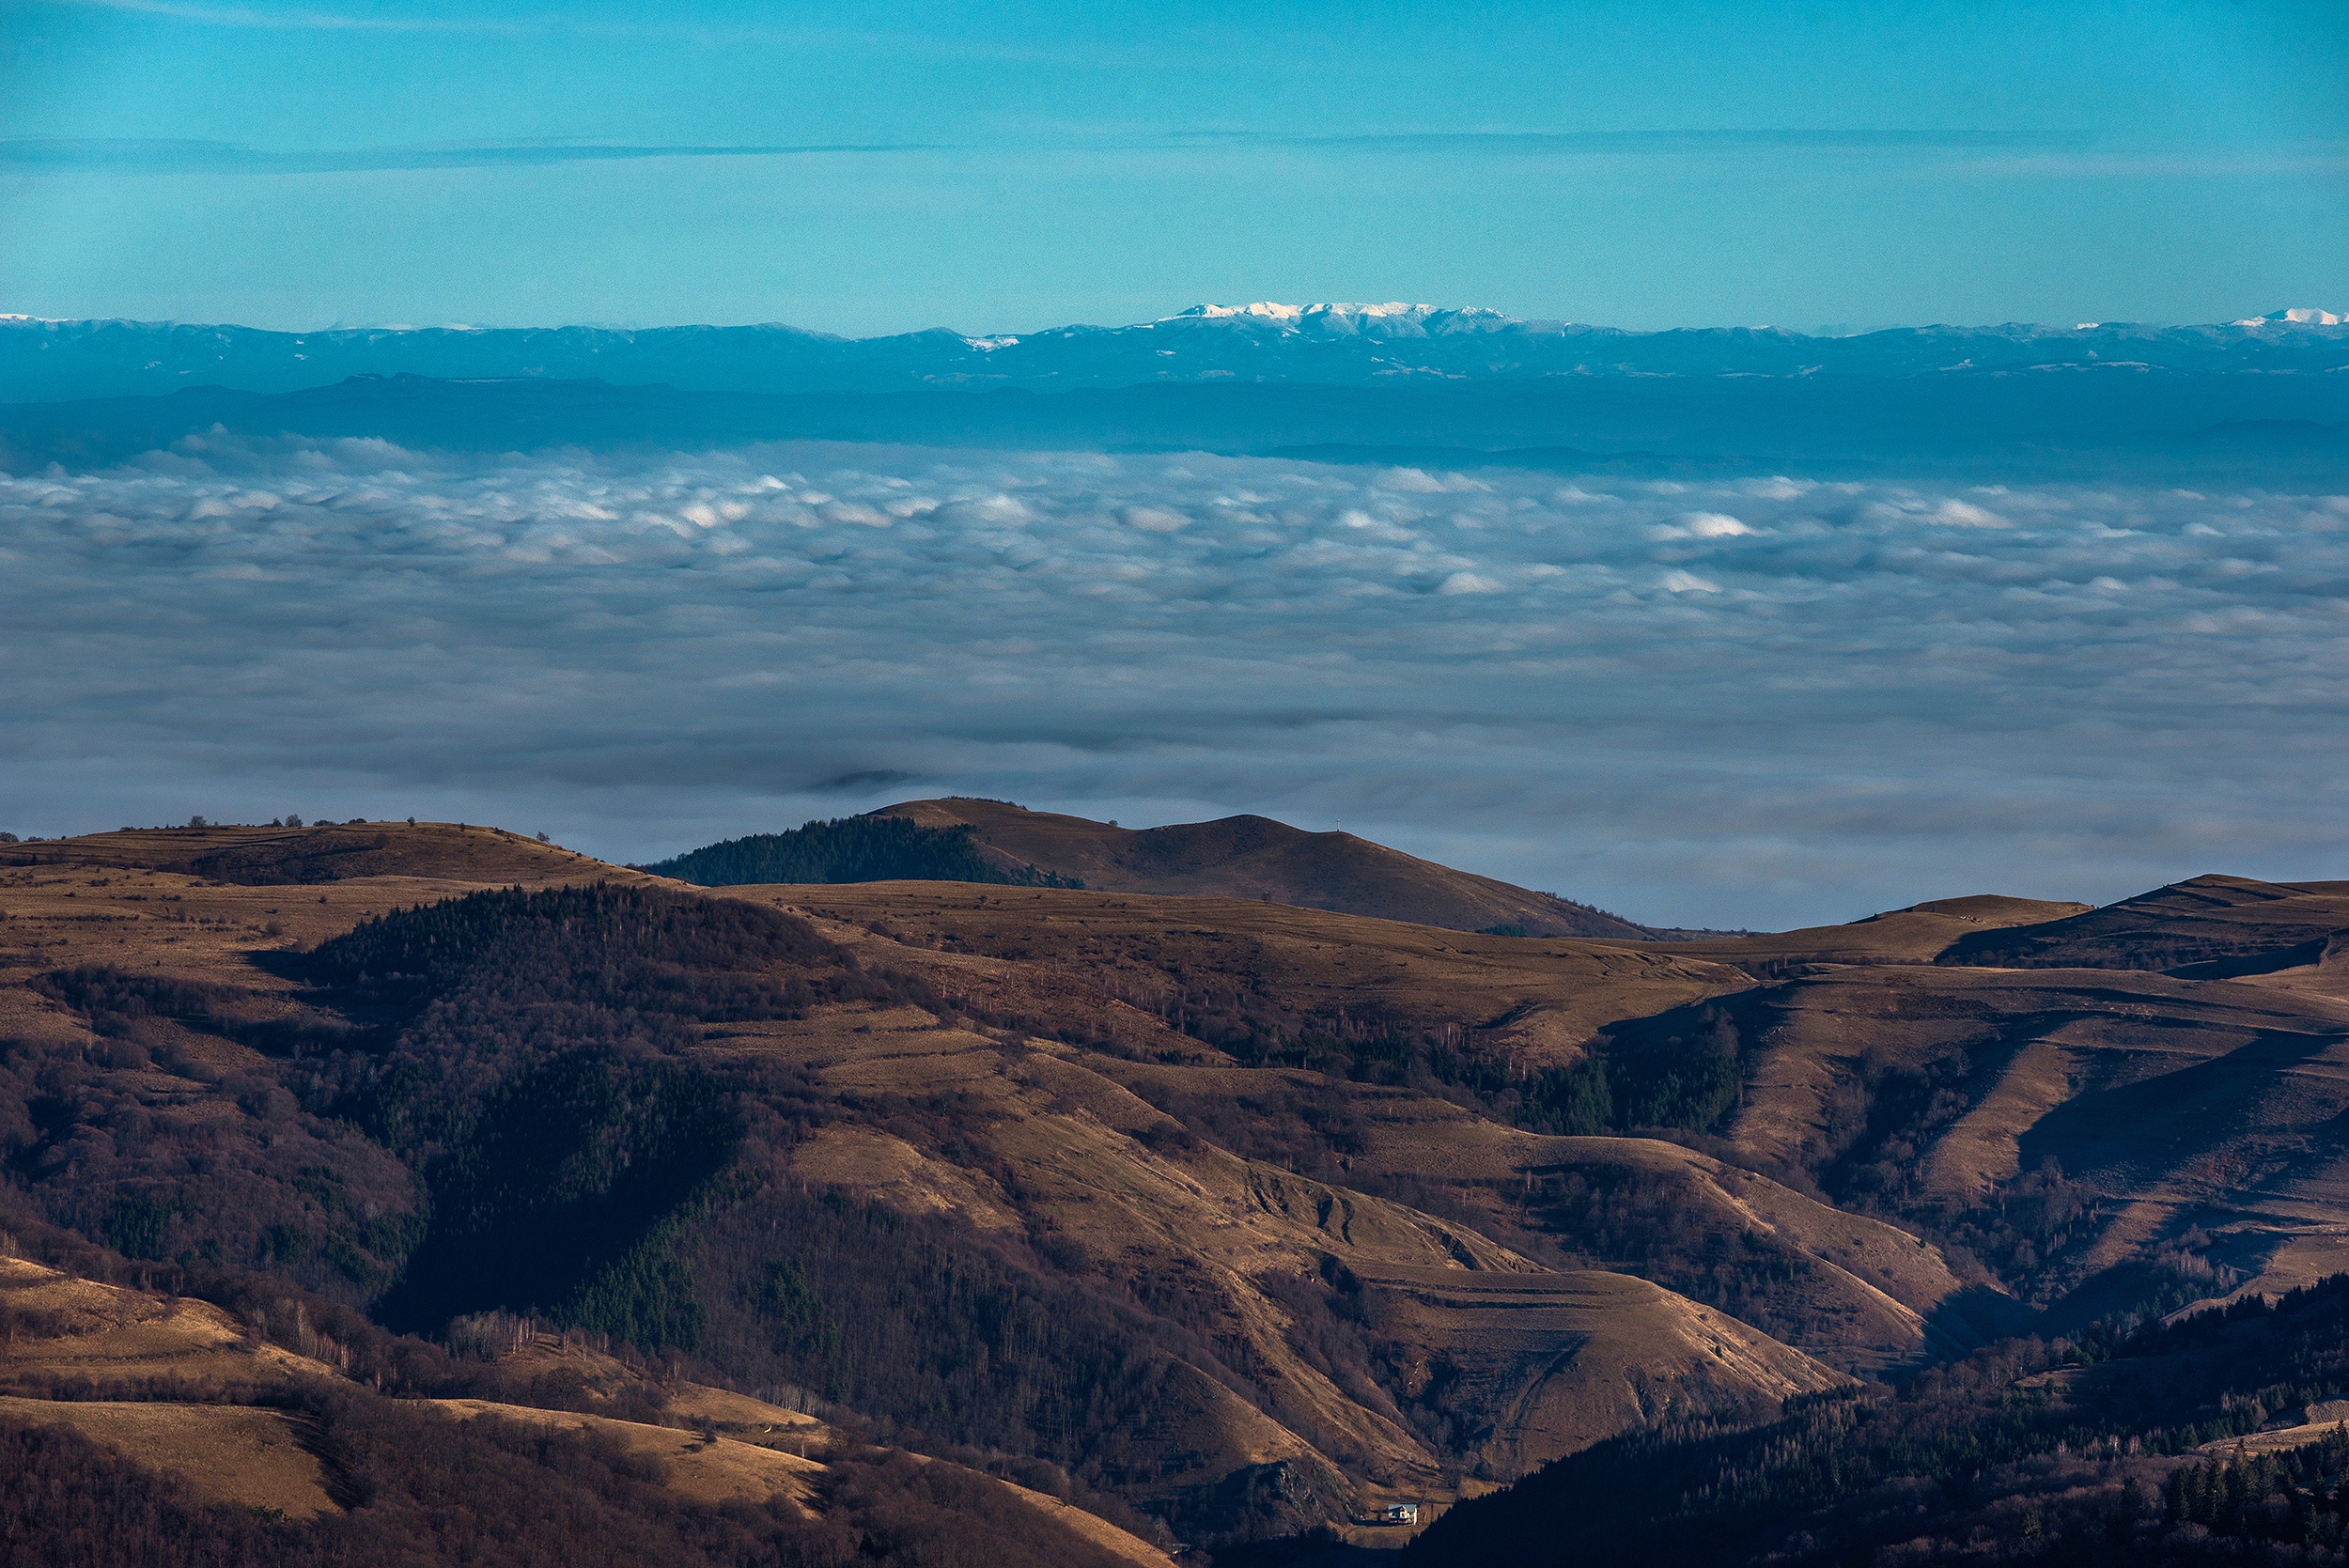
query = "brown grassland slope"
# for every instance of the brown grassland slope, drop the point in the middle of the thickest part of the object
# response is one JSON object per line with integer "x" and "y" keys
{"x": 241, "y": 1431}
{"x": 326, "y": 852}
{"x": 1043, "y": 1143}
{"x": 136, "y": 897}
{"x": 1539, "y": 999}
{"x": 2217, "y": 927}
{"x": 108, "y": 1337}
{"x": 97, "y": 1339}
{"x": 1047, "y": 1139}
{"x": 233, "y": 1454}
{"x": 2188, "y": 1118}
{"x": 1920, "y": 934}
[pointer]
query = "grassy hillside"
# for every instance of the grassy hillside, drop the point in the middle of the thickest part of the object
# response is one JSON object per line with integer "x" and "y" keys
{"x": 2212, "y": 927}
{"x": 1246, "y": 1215}
{"x": 139, "y": 1427}
{"x": 705, "y": 1128}
{"x": 2082, "y": 1142}
{"x": 417, "y": 1486}
{"x": 465, "y": 853}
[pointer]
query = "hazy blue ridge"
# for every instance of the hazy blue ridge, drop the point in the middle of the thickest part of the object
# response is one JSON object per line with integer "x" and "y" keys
{"x": 48, "y": 361}
{"x": 2050, "y": 423}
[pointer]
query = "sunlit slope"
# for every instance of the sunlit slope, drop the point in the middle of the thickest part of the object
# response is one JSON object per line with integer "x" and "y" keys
{"x": 1920, "y": 934}
{"x": 1044, "y": 1139}
{"x": 2176, "y": 1102}
{"x": 2211, "y": 927}
{"x": 1843, "y": 1286}
{"x": 1847, "y": 1289}
{"x": 196, "y": 1393}
{"x": 2173, "y": 1107}
{"x": 1543, "y": 998}
{"x": 315, "y": 855}
{"x": 125, "y": 1353}
{"x": 112, "y": 1339}
{"x": 1567, "y": 1359}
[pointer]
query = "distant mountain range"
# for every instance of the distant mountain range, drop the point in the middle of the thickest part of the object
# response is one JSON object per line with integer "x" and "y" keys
{"x": 2052, "y": 424}
{"x": 1344, "y": 345}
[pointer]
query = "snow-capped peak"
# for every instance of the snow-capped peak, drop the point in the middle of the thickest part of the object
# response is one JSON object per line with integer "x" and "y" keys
{"x": 2298, "y": 319}
{"x": 1394, "y": 310}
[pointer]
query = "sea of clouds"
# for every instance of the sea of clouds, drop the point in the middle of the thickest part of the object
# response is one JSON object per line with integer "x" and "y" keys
{"x": 1761, "y": 701}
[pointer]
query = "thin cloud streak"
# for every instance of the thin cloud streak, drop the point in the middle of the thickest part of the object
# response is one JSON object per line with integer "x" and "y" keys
{"x": 160, "y": 156}
{"x": 1644, "y": 143}
{"x": 1978, "y": 154}
{"x": 927, "y": 45}
{"x": 301, "y": 20}
{"x": 63, "y": 155}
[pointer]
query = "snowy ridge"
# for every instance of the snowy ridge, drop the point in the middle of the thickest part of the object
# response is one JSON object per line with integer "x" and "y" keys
{"x": 1326, "y": 343}
{"x": 1393, "y": 319}
{"x": 2298, "y": 319}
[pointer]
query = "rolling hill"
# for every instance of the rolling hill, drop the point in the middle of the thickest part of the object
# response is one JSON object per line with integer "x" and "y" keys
{"x": 1240, "y": 1213}
{"x": 2209, "y": 927}
{"x": 1254, "y": 857}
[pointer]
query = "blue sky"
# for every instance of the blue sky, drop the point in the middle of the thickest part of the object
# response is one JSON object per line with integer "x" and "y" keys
{"x": 876, "y": 169}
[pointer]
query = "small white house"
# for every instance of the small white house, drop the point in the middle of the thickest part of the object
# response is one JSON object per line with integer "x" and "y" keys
{"x": 1400, "y": 1513}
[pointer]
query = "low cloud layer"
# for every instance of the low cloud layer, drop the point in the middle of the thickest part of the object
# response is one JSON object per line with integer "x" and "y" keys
{"x": 1763, "y": 702}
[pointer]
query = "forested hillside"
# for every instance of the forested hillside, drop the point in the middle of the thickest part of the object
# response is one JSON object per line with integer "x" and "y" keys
{"x": 853, "y": 850}
{"x": 2184, "y": 1442}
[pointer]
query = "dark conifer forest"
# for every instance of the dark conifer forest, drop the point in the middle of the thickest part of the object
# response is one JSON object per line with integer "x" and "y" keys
{"x": 853, "y": 850}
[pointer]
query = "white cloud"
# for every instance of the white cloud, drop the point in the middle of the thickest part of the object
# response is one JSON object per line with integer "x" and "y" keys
{"x": 1961, "y": 513}
{"x": 1854, "y": 704}
{"x": 1420, "y": 482}
{"x": 1700, "y": 525}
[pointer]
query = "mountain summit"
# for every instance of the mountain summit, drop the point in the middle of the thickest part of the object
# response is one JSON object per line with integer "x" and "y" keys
{"x": 1392, "y": 319}
{"x": 2298, "y": 319}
